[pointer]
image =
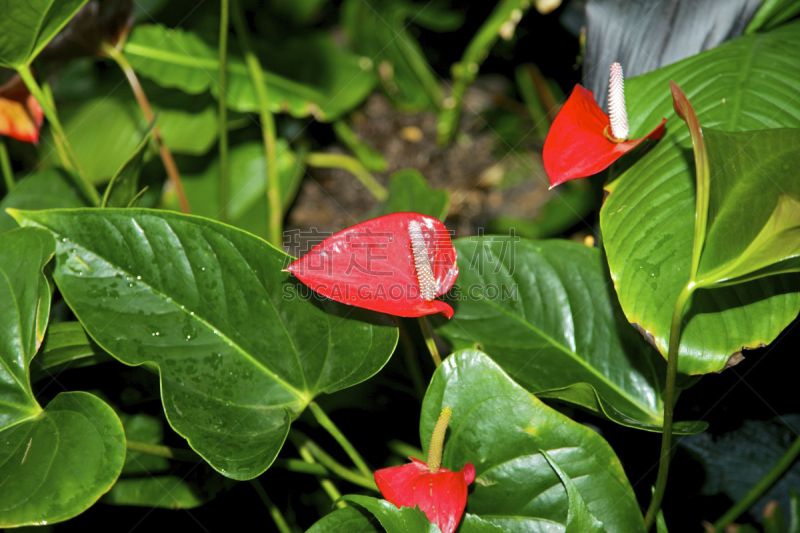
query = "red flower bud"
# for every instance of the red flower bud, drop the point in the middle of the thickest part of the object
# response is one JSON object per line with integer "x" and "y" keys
{"x": 21, "y": 116}
{"x": 394, "y": 264}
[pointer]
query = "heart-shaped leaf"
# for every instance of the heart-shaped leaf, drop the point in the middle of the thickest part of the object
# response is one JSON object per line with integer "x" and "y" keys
{"x": 345, "y": 520}
{"x": 305, "y": 76}
{"x": 27, "y": 27}
{"x": 240, "y": 351}
{"x": 579, "y": 518}
{"x": 394, "y": 519}
{"x": 409, "y": 192}
{"x": 54, "y": 463}
{"x": 648, "y": 218}
{"x": 501, "y": 428}
{"x": 546, "y": 312}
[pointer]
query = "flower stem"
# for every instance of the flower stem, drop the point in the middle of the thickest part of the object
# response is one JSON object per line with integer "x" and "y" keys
{"x": 224, "y": 185}
{"x": 353, "y": 166}
{"x": 65, "y": 151}
{"x": 669, "y": 403}
{"x": 147, "y": 111}
{"x": 430, "y": 341}
{"x": 326, "y": 484}
{"x": 275, "y": 230}
{"x": 162, "y": 451}
{"x": 437, "y": 441}
{"x": 348, "y": 448}
{"x": 5, "y": 167}
{"x": 274, "y": 512}
{"x": 761, "y": 487}
{"x": 329, "y": 463}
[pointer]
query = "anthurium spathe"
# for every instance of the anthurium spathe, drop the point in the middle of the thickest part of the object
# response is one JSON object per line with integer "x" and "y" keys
{"x": 396, "y": 264}
{"x": 439, "y": 493}
{"x": 583, "y": 140}
{"x": 21, "y": 116}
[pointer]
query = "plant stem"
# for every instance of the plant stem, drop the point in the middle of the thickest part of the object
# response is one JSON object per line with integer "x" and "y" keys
{"x": 326, "y": 484}
{"x": 162, "y": 451}
{"x": 403, "y": 449}
{"x": 223, "y": 112}
{"x": 761, "y": 487}
{"x": 274, "y": 512}
{"x": 62, "y": 144}
{"x": 301, "y": 467}
{"x": 429, "y": 340}
{"x": 351, "y": 452}
{"x": 275, "y": 230}
{"x": 669, "y": 403}
{"x": 353, "y": 166}
{"x": 411, "y": 359}
{"x": 337, "y": 468}
{"x": 147, "y": 111}
{"x": 5, "y": 166}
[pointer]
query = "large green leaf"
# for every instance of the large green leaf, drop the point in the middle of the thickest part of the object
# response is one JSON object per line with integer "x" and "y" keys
{"x": 648, "y": 218}
{"x": 240, "y": 352}
{"x": 105, "y": 130}
{"x": 305, "y": 76}
{"x": 579, "y": 518}
{"x": 408, "y": 191}
{"x": 247, "y": 171}
{"x": 772, "y": 13}
{"x": 500, "y": 428}
{"x": 54, "y": 463}
{"x": 26, "y": 27}
{"x": 546, "y": 312}
{"x": 46, "y": 189}
{"x": 393, "y": 519}
{"x": 344, "y": 520}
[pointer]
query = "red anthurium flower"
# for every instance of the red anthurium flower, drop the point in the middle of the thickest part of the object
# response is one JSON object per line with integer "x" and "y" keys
{"x": 583, "y": 140}
{"x": 396, "y": 264}
{"x": 439, "y": 493}
{"x": 21, "y": 116}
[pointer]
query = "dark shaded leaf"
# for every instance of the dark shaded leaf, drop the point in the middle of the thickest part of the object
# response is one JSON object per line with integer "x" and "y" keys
{"x": 65, "y": 346}
{"x": 345, "y": 520}
{"x": 45, "y": 189}
{"x": 124, "y": 184}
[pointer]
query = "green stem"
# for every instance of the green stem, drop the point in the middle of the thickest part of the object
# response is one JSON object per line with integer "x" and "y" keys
{"x": 334, "y": 466}
{"x": 5, "y": 166}
{"x": 301, "y": 467}
{"x": 62, "y": 144}
{"x": 326, "y": 484}
{"x": 274, "y": 512}
{"x": 224, "y": 185}
{"x": 353, "y": 166}
{"x": 429, "y": 341}
{"x": 404, "y": 449}
{"x": 162, "y": 451}
{"x": 348, "y": 448}
{"x": 761, "y": 487}
{"x": 411, "y": 359}
{"x": 669, "y": 403}
{"x": 275, "y": 231}
{"x": 144, "y": 104}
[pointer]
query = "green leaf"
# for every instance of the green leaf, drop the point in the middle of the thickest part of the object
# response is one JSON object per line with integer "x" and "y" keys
{"x": 579, "y": 517}
{"x": 794, "y": 511}
{"x": 474, "y": 524}
{"x": 247, "y": 172}
{"x": 754, "y": 208}
{"x": 27, "y": 27}
{"x": 774, "y": 521}
{"x": 54, "y": 463}
{"x": 124, "y": 185}
{"x": 546, "y": 313}
{"x": 65, "y": 346}
{"x": 500, "y": 428}
{"x": 307, "y": 75}
{"x": 408, "y": 191}
{"x": 394, "y": 519}
{"x": 240, "y": 351}
{"x": 772, "y": 13}
{"x": 648, "y": 218}
{"x": 45, "y": 189}
{"x": 345, "y": 520}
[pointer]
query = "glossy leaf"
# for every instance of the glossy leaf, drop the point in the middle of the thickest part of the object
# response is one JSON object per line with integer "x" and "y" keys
{"x": 501, "y": 428}
{"x": 105, "y": 130}
{"x": 772, "y": 13}
{"x": 648, "y": 218}
{"x": 55, "y": 462}
{"x": 45, "y": 189}
{"x": 345, "y": 520}
{"x": 754, "y": 208}
{"x": 240, "y": 352}
{"x": 308, "y": 76}
{"x": 409, "y": 192}
{"x": 27, "y": 27}
{"x": 393, "y": 519}
{"x": 546, "y": 313}
{"x": 657, "y": 33}
{"x": 66, "y": 346}
{"x": 579, "y": 518}
{"x": 247, "y": 171}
